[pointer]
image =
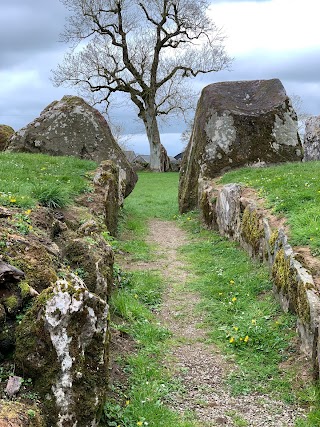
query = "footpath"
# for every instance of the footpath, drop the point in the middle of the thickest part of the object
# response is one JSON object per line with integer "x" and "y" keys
{"x": 199, "y": 365}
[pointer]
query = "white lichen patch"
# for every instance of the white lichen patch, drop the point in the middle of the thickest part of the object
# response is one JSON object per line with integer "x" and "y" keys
{"x": 221, "y": 133}
{"x": 61, "y": 321}
{"x": 285, "y": 131}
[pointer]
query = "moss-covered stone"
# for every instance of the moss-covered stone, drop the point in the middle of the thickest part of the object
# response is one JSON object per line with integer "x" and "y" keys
{"x": 252, "y": 230}
{"x": 5, "y": 134}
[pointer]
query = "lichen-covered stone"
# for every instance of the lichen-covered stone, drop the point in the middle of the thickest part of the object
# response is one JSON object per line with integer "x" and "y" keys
{"x": 92, "y": 258}
{"x": 5, "y": 134}
{"x": 107, "y": 180}
{"x": 62, "y": 344}
{"x": 311, "y": 143}
{"x": 228, "y": 211}
{"x": 71, "y": 127}
{"x": 236, "y": 124}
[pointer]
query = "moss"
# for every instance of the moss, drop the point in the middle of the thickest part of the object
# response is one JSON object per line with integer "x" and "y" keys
{"x": 272, "y": 240}
{"x": 24, "y": 288}
{"x": 17, "y": 413}
{"x": 11, "y": 303}
{"x": 251, "y": 228}
{"x": 303, "y": 307}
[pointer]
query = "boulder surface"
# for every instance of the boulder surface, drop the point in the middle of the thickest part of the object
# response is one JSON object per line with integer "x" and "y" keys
{"x": 237, "y": 124}
{"x": 71, "y": 127}
{"x": 5, "y": 133}
{"x": 311, "y": 143}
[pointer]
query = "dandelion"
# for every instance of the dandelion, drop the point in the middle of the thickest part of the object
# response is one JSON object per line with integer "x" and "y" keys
{"x": 220, "y": 294}
{"x": 253, "y": 321}
{"x": 127, "y": 402}
{"x": 12, "y": 200}
{"x": 236, "y": 328}
{"x": 231, "y": 282}
{"x": 139, "y": 423}
{"x": 234, "y": 299}
{"x": 246, "y": 338}
{"x": 231, "y": 340}
{"x": 30, "y": 227}
{"x": 189, "y": 219}
{"x": 27, "y": 212}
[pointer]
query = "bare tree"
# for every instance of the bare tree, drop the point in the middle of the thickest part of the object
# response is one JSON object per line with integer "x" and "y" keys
{"x": 146, "y": 49}
{"x": 302, "y": 115}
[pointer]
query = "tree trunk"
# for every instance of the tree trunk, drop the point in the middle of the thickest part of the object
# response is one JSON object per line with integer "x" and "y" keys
{"x": 159, "y": 160}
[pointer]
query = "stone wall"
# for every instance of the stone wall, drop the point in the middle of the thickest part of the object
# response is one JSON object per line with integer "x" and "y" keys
{"x": 239, "y": 218}
{"x": 57, "y": 278}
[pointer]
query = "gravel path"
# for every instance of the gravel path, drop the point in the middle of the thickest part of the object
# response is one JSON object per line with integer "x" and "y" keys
{"x": 200, "y": 366}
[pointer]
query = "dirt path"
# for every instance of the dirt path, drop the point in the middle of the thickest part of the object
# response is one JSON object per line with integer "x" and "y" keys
{"x": 200, "y": 366}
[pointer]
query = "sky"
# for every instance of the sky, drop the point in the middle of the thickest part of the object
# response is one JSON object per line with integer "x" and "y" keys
{"x": 266, "y": 38}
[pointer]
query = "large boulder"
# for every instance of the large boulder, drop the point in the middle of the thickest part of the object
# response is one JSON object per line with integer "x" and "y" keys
{"x": 62, "y": 344}
{"x": 5, "y": 133}
{"x": 71, "y": 127}
{"x": 311, "y": 143}
{"x": 237, "y": 124}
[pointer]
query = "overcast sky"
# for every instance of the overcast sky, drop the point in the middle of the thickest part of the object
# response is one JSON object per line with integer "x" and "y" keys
{"x": 266, "y": 38}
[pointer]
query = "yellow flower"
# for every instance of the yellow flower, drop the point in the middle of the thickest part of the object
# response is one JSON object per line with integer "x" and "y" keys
{"x": 234, "y": 299}
{"x": 136, "y": 296}
{"x": 139, "y": 423}
{"x": 231, "y": 282}
{"x": 30, "y": 227}
{"x": 12, "y": 200}
{"x": 231, "y": 340}
{"x": 236, "y": 328}
{"x": 27, "y": 212}
{"x": 246, "y": 339}
{"x": 220, "y": 294}
{"x": 127, "y": 402}
{"x": 253, "y": 321}
{"x": 189, "y": 219}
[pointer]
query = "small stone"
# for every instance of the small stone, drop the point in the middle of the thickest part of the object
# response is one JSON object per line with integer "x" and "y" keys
{"x": 13, "y": 385}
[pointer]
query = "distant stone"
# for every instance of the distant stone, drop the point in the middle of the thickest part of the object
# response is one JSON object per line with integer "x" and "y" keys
{"x": 311, "y": 142}
{"x": 13, "y": 385}
{"x": 71, "y": 127}
{"x": 237, "y": 124}
{"x": 5, "y": 133}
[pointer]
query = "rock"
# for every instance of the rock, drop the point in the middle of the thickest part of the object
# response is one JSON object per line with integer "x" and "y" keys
{"x": 62, "y": 345}
{"x": 71, "y": 127}
{"x": 17, "y": 414}
{"x": 311, "y": 143}
{"x": 13, "y": 385}
{"x": 238, "y": 124}
{"x": 9, "y": 273}
{"x": 108, "y": 182}
{"x": 5, "y": 133}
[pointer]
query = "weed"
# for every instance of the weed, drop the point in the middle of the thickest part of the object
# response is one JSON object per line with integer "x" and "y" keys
{"x": 51, "y": 196}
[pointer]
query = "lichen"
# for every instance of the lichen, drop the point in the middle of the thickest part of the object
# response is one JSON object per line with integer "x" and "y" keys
{"x": 251, "y": 228}
{"x": 303, "y": 307}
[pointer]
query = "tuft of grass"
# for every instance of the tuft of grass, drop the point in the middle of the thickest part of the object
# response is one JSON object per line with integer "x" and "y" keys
{"x": 291, "y": 189}
{"x": 55, "y": 180}
{"x": 51, "y": 196}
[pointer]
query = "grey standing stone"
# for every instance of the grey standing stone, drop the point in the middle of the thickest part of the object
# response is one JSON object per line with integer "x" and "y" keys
{"x": 311, "y": 143}
{"x": 237, "y": 124}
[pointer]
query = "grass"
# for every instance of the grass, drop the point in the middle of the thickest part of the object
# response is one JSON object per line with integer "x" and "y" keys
{"x": 150, "y": 387}
{"x": 292, "y": 190}
{"x": 30, "y": 179}
{"x": 244, "y": 319}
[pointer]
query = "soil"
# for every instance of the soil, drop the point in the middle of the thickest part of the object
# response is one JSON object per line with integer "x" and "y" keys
{"x": 200, "y": 366}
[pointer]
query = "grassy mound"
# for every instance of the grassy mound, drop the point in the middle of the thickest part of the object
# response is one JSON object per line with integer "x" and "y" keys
{"x": 291, "y": 190}
{"x": 30, "y": 179}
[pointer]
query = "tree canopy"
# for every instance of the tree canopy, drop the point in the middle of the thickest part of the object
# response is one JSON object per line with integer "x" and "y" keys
{"x": 146, "y": 49}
